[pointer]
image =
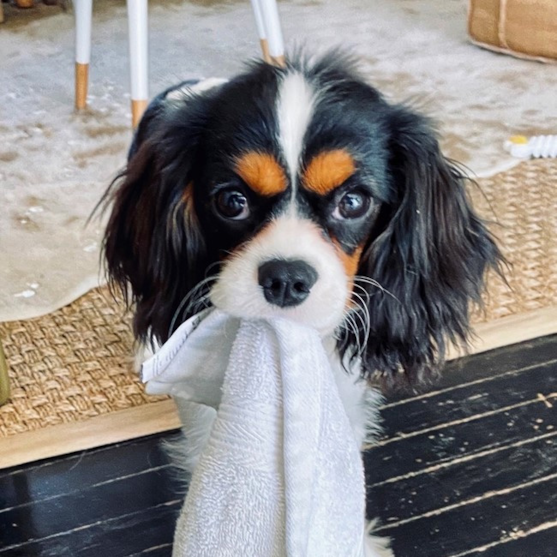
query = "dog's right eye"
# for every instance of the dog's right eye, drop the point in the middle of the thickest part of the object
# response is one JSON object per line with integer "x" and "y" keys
{"x": 352, "y": 205}
{"x": 232, "y": 204}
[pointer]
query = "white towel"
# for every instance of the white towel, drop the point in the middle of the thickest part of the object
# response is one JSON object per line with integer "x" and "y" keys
{"x": 281, "y": 474}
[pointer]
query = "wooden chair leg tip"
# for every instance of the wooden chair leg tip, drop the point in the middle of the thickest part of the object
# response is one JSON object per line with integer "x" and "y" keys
{"x": 138, "y": 108}
{"x": 81, "y": 85}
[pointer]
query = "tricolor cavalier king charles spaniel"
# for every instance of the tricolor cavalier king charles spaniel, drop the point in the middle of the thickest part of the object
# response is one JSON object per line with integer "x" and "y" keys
{"x": 300, "y": 192}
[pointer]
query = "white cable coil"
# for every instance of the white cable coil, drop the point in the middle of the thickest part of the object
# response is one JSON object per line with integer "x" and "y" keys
{"x": 538, "y": 146}
{"x": 544, "y": 146}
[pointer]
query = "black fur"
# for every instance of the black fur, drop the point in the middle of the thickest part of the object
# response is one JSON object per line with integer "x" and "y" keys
{"x": 430, "y": 256}
{"x": 423, "y": 243}
{"x": 153, "y": 246}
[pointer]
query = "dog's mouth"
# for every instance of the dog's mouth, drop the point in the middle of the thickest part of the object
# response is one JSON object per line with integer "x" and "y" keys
{"x": 287, "y": 271}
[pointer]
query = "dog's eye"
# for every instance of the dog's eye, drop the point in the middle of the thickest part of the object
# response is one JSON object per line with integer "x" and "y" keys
{"x": 232, "y": 204}
{"x": 352, "y": 205}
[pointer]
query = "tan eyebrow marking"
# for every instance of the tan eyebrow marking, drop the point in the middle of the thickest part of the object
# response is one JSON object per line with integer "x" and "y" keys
{"x": 328, "y": 170}
{"x": 261, "y": 172}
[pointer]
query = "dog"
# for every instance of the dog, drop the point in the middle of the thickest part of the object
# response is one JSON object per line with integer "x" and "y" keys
{"x": 300, "y": 192}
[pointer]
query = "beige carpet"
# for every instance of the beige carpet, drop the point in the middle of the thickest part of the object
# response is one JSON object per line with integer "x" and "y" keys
{"x": 73, "y": 386}
{"x": 54, "y": 164}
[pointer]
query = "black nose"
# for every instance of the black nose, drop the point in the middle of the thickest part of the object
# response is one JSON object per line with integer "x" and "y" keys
{"x": 286, "y": 283}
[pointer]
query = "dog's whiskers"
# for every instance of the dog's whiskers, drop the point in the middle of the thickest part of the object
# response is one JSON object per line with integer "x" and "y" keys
{"x": 190, "y": 301}
{"x": 210, "y": 267}
{"x": 357, "y": 319}
{"x": 363, "y": 315}
{"x": 356, "y": 322}
{"x": 350, "y": 325}
{"x": 372, "y": 282}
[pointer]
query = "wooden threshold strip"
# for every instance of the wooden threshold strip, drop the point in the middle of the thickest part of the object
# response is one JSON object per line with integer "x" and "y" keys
{"x": 512, "y": 330}
{"x": 101, "y": 430}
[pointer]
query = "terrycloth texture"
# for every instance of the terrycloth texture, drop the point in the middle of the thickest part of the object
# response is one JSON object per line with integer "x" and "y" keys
{"x": 281, "y": 474}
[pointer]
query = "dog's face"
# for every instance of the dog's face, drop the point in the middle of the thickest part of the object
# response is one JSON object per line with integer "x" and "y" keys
{"x": 300, "y": 193}
{"x": 289, "y": 204}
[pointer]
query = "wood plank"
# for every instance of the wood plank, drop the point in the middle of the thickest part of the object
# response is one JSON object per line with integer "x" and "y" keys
{"x": 487, "y": 365}
{"x": 464, "y": 401}
{"x": 481, "y": 433}
{"x": 81, "y": 471}
{"x": 162, "y": 550}
{"x": 421, "y": 492}
{"x": 541, "y": 542}
{"x": 148, "y": 532}
{"x": 497, "y": 515}
{"x": 100, "y": 503}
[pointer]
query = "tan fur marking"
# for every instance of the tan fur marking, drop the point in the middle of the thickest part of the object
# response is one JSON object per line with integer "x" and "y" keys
{"x": 185, "y": 210}
{"x": 328, "y": 171}
{"x": 187, "y": 196}
{"x": 350, "y": 262}
{"x": 262, "y": 173}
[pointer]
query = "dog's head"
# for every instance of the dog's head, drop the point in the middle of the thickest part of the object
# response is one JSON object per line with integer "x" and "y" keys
{"x": 300, "y": 192}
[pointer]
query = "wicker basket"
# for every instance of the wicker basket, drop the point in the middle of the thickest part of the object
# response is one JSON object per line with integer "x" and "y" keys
{"x": 523, "y": 28}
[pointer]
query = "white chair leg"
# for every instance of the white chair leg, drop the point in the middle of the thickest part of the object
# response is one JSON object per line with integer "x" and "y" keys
{"x": 138, "y": 41}
{"x": 260, "y": 24}
{"x": 271, "y": 22}
{"x": 83, "y": 10}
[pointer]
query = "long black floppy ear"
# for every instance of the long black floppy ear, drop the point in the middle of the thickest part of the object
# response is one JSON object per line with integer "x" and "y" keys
{"x": 430, "y": 259}
{"x": 153, "y": 245}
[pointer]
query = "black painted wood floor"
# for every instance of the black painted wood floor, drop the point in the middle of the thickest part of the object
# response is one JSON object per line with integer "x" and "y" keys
{"x": 466, "y": 469}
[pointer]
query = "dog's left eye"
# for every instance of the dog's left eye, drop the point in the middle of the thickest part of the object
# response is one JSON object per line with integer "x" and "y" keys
{"x": 352, "y": 205}
{"x": 232, "y": 204}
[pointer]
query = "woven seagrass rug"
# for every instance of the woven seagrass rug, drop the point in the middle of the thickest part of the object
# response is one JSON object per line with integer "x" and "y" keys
{"x": 72, "y": 378}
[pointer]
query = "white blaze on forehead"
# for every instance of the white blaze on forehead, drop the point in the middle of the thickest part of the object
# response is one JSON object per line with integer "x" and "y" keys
{"x": 295, "y": 107}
